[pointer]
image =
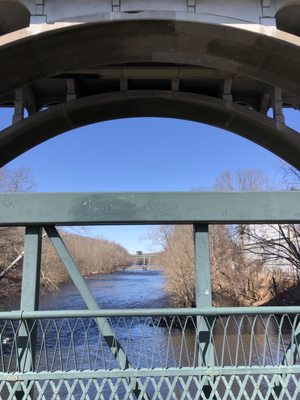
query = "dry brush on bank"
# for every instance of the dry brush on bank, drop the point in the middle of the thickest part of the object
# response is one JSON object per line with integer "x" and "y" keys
{"x": 11, "y": 246}
{"x": 91, "y": 255}
{"x": 236, "y": 274}
{"x": 244, "y": 280}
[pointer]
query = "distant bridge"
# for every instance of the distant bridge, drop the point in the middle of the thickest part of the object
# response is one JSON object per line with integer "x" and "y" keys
{"x": 145, "y": 258}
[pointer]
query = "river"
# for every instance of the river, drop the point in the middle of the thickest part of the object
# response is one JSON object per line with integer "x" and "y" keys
{"x": 126, "y": 289}
{"x": 150, "y": 342}
{"x": 245, "y": 341}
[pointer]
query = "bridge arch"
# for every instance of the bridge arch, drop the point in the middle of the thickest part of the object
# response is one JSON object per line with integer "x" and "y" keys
{"x": 13, "y": 16}
{"x": 241, "y": 120}
{"x": 288, "y": 17}
{"x": 256, "y": 52}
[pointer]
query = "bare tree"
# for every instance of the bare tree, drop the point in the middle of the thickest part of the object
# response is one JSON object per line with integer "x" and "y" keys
{"x": 16, "y": 180}
{"x": 11, "y": 239}
{"x": 291, "y": 177}
{"x": 93, "y": 256}
{"x": 277, "y": 246}
{"x": 242, "y": 180}
{"x": 235, "y": 274}
{"x": 178, "y": 262}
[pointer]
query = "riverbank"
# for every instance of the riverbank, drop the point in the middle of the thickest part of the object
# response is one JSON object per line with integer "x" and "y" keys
{"x": 289, "y": 297}
{"x": 91, "y": 256}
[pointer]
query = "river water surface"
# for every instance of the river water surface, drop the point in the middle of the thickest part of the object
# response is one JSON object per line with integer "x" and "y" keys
{"x": 246, "y": 341}
{"x": 126, "y": 289}
{"x": 152, "y": 342}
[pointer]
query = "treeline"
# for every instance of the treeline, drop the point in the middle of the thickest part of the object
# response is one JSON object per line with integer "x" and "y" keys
{"x": 247, "y": 266}
{"x": 235, "y": 275}
{"x": 92, "y": 256}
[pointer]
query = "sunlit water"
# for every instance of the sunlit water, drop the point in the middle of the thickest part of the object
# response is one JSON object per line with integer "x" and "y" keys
{"x": 126, "y": 289}
{"x": 147, "y": 342}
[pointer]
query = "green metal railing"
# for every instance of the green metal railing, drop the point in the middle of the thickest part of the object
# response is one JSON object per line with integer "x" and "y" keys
{"x": 71, "y": 348}
{"x": 250, "y": 349}
{"x": 201, "y": 353}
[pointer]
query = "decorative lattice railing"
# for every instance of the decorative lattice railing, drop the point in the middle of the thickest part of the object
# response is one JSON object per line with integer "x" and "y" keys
{"x": 253, "y": 353}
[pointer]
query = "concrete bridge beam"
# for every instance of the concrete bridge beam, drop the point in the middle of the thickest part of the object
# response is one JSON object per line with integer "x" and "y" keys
{"x": 253, "y": 11}
{"x": 253, "y": 51}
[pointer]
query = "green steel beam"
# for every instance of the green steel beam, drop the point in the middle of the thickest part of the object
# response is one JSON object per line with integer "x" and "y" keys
{"x": 202, "y": 265}
{"x": 31, "y": 269}
{"x": 144, "y": 372}
{"x": 104, "y": 326}
{"x": 29, "y": 300}
{"x": 148, "y": 208}
{"x": 204, "y": 300}
{"x": 149, "y": 312}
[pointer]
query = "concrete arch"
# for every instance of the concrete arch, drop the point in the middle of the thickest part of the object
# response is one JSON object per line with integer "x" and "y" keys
{"x": 261, "y": 53}
{"x": 14, "y": 15}
{"x": 257, "y": 52}
{"x": 249, "y": 124}
{"x": 288, "y": 18}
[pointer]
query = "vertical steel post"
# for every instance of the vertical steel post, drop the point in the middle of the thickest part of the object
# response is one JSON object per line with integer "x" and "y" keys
{"x": 29, "y": 300}
{"x": 203, "y": 299}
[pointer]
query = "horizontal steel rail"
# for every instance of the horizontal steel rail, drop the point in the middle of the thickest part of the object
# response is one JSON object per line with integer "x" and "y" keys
{"x": 145, "y": 372}
{"x": 149, "y": 312}
{"x": 21, "y": 209}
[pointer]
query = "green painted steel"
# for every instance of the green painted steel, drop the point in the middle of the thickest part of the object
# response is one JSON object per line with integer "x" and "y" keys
{"x": 202, "y": 264}
{"x": 74, "y": 345}
{"x": 150, "y": 312}
{"x": 239, "y": 365}
{"x": 26, "y": 338}
{"x": 104, "y": 326}
{"x": 145, "y": 372}
{"x": 148, "y": 208}
{"x": 203, "y": 353}
{"x": 204, "y": 299}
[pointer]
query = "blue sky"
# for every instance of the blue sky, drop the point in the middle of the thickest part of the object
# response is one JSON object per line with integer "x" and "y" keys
{"x": 142, "y": 155}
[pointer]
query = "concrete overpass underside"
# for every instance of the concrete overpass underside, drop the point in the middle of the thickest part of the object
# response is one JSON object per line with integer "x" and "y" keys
{"x": 64, "y": 65}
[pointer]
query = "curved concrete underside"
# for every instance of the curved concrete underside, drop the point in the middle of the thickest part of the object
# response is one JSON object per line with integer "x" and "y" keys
{"x": 260, "y": 129}
{"x": 261, "y": 53}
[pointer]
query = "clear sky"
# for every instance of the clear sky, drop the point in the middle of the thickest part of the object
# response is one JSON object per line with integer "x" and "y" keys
{"x": 142, "y": 154}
